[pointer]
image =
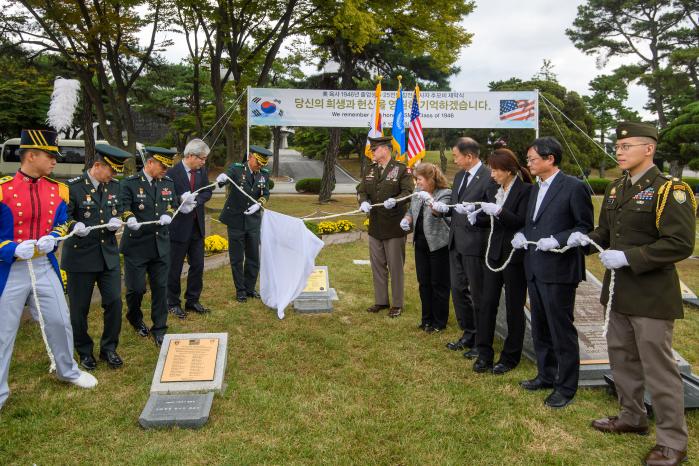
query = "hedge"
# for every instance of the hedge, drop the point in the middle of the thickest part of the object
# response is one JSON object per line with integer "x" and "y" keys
{"x": 308, "y": 185}
{"x": 598, "y": 184}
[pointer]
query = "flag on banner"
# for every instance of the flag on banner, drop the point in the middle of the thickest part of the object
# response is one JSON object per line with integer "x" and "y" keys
{"x": 516, "y": 110}
{"x": 398, "y": 128}
{"x": 376, "y": 128}
{"x": 416, "y": 141}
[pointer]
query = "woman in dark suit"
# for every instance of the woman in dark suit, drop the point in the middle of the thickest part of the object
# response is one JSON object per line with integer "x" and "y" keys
{"x": 507, "y": 204}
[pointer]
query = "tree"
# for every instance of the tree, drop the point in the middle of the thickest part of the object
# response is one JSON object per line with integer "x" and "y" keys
{"x": 680, "y": 140}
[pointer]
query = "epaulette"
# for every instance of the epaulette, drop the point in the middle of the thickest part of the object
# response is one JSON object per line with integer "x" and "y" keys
{"x": 165, "y": 177}
{"x": 238, "y": 165}
{"x": 75, "y": 180}
{"x": 264, "y": 170}
{"x": 668, "y": 177}
{"x": 132, "y": 177}
{"x": 63, "y": 190}
{"x": 5, "y": 179}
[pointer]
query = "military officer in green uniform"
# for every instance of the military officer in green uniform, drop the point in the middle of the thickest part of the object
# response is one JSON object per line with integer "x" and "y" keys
{"x": 148, "y": 196}
{"x": 243, "y": 218}
{"x": 91, "y": 257}
{"x": 384, "y": 181}
{"x": 647, "y": 223}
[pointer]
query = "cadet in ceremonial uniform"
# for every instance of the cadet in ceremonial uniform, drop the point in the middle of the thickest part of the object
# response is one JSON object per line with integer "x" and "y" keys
{"x": 148, "y": 196}
{"x": 647, "y": 222}
{"x": 91, "y": 257}
{"x": 33, "y": 214}
{"x": 243, "y": 218}
{"x": 384, "y": 181}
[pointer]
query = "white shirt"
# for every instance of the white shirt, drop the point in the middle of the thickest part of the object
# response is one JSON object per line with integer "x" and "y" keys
{"x": 94, "y": 182}
{"x": 149, "y": 178}
{"x": 543, "y": 189}
{"x": 501, "y": 195}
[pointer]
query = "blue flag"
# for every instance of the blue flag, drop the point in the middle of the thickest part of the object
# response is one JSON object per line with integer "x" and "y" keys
{"x": 398, "y": 129}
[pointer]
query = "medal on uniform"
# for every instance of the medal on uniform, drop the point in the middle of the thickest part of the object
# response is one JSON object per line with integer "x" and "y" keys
{"x": 141, "y": 207}
{"x": 87, "y": 214}
{"x": 114, "y": 212}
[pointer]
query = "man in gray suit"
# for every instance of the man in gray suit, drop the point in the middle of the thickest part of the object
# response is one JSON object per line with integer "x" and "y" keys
{"x": 466, "y": 241}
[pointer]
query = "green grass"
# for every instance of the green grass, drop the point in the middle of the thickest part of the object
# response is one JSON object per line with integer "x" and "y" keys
{"x": 341, "y": 388}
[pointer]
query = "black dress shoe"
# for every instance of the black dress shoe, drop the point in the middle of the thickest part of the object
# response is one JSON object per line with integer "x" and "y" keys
{"x": 196, "y": 307}
{"x": 471, "y": 354}
{"x": 158, "y": 340}
{"x": 460, "y": 344}
{"x": 112, "y": 359}
{"x": 423, "y": 326}
{"x": 500, "y": 368}
{"x": 177, "y": 311}
{"x": 482, "y": 365}
{"x": 241, "y": 298}
{"x": 535, "y": 384}
{"x": 88, "y": 362}
{"x": 253, "y": 294}
{"x": 140, "y": 328}
{"x": 557, "y": 400}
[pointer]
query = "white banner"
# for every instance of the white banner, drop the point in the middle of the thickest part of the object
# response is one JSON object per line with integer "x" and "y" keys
{"x": 353, "y": 109}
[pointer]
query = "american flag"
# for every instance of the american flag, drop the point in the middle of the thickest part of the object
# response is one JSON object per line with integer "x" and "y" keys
{"x": 416, "y": 142}
{"x": 516, "y": 110}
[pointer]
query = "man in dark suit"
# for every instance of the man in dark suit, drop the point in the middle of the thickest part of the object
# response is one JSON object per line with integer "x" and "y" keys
{"x": 466, "y": 242}
{"x": 559, "y": 205}
{"x": 187, "y": 231}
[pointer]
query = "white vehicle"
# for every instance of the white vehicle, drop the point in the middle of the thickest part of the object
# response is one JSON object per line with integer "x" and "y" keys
{"x": 70, "y": 165}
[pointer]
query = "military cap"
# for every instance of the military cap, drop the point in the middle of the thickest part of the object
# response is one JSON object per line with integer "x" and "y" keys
{"x": 113, "y": 156}
{"x": 374, "y": 143}
{"x": 162, "y": 155}
{"x": 42, "y": 139}
{"x": 260, "y": 153}
{"x": 630, "y": 129}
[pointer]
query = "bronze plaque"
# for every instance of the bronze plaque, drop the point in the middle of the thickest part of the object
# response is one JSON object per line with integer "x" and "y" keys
{"x": 190, "y": 360}
{"x": 317, "y": 281}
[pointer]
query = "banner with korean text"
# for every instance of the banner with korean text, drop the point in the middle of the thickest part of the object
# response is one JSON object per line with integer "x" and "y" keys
{"x": 354, "y": 109}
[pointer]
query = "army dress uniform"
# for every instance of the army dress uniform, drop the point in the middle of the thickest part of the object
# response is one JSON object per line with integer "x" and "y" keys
{"x": 147, "y": 250}
{"x": 386, "y": 237}
{"x": 244, "y": 230}
{"x": 95, "y": 258}
{"x": 650, "y": 218}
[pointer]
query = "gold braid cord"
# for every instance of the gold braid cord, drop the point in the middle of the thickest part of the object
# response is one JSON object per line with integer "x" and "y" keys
{"x": 663, "y": 194}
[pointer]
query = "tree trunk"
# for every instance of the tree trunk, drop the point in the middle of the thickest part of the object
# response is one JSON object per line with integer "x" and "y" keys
{"x": 442, "y": 152}
{"x": 196, "y": 95}
{"x": 88, "y": 135}
{"x": 603, "y": 162}
{"x": 676, "y": 168}
{"x": 276, "y": 141}
{"x": 328, "y": 182}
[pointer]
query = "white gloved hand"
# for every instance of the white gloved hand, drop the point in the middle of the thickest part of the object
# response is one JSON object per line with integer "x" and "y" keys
{"x": 577, "y": 239}
{"x": 188, "y": 198}
{"x": 440, "y": 207}
{"x": 464, "y": 208}
{"x": 46, "y": 244}
{"x": 221, "y": 179}
{"x": 80, "y": 230}
{"x": 165, "y": 219}
{"x": 25, "y": 249}
{"x": 546, "y": 244}
{"x": 613, "y": 259}
{"x": 252, "y": 209}
{"x": 491, "y": 209}
{"x": 472, "y": 216}
{"x": 187, "y": 207}
{"x": 405, "y": 224}
{"x": 519, "y": 241}
{"x": 365, "y": 207}
{"x": 425, "y": 196}
{"x": 114, "y": 223}
{"x": 389, "y": 203}
{"x": 133, "y": 224}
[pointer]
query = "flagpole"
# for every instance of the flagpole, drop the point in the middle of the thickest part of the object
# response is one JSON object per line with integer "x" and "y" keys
{"x": 537, "y": 113}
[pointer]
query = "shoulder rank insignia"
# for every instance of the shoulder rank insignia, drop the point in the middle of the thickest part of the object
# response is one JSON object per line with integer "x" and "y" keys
{"x": 75, "y": 180}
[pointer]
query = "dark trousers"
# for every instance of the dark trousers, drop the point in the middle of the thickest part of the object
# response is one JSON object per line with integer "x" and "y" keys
{"x": 244, "y": 252}
{"x": 135, "y": 269}
{"x": 80, "y": 287}
{"x": 555, "y": 337}
{"x": 193, "y": 250}
{"x": 515, "y": 296}
{"x": 466, "y": 274}
{"x": 433, "y": 280}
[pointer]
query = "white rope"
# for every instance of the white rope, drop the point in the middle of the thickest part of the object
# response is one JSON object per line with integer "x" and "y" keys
{"x": 42, "y": 323}
{"x": 230, "y": 109}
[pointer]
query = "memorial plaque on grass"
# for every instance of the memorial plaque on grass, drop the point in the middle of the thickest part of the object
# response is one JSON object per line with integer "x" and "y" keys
{"x": 317, "y": 296}
{"x": 189, "y": 410}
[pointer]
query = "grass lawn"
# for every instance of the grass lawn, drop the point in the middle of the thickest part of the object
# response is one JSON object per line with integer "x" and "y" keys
{"x": 347, "y": 387}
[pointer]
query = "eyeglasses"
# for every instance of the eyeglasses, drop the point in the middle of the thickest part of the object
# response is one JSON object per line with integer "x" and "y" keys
{"x": 534, "y": 159}
{"x": 625, "y": 147}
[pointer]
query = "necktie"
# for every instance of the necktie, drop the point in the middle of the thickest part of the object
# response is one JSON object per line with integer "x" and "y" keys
{"x": 464, "y": 182}
{"x": 191, "y": 185}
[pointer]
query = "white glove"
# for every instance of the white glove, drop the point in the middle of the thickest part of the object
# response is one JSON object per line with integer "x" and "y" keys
{"x": 491, "y": 209}
{"x": 578, "y": 239}
{"x": 472, "y": 216}
{"x": 440, "y": 207}
{"x": 80, "y": 230}
{"x": 425, "y": 196}
{"x": 365, "y": 207}
{"x": 222, "y": 179}
{"x": 133, "y": 224}
{"x": 46, "y": 244}
{"x": 389, "y": 203}
{"x": 25, "y": 249}
{"x": 464, "y": 208}
{"x": 187, "y": 197}
{"x": 613, "y": 259}
{"x": 165, "y": 219}
{"x": 187, "y": 207}
{"x": 114, "y": 223}
{"x": 519, "y": 241}
{"x": 252, "y": 209}
{"x": 546, "y": 244}
{"x": 405, "y": 224}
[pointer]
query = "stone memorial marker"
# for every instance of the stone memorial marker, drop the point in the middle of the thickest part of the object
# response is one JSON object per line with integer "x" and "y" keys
{"x": 186, "y": 410}
{"x": 317, "y": 297}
